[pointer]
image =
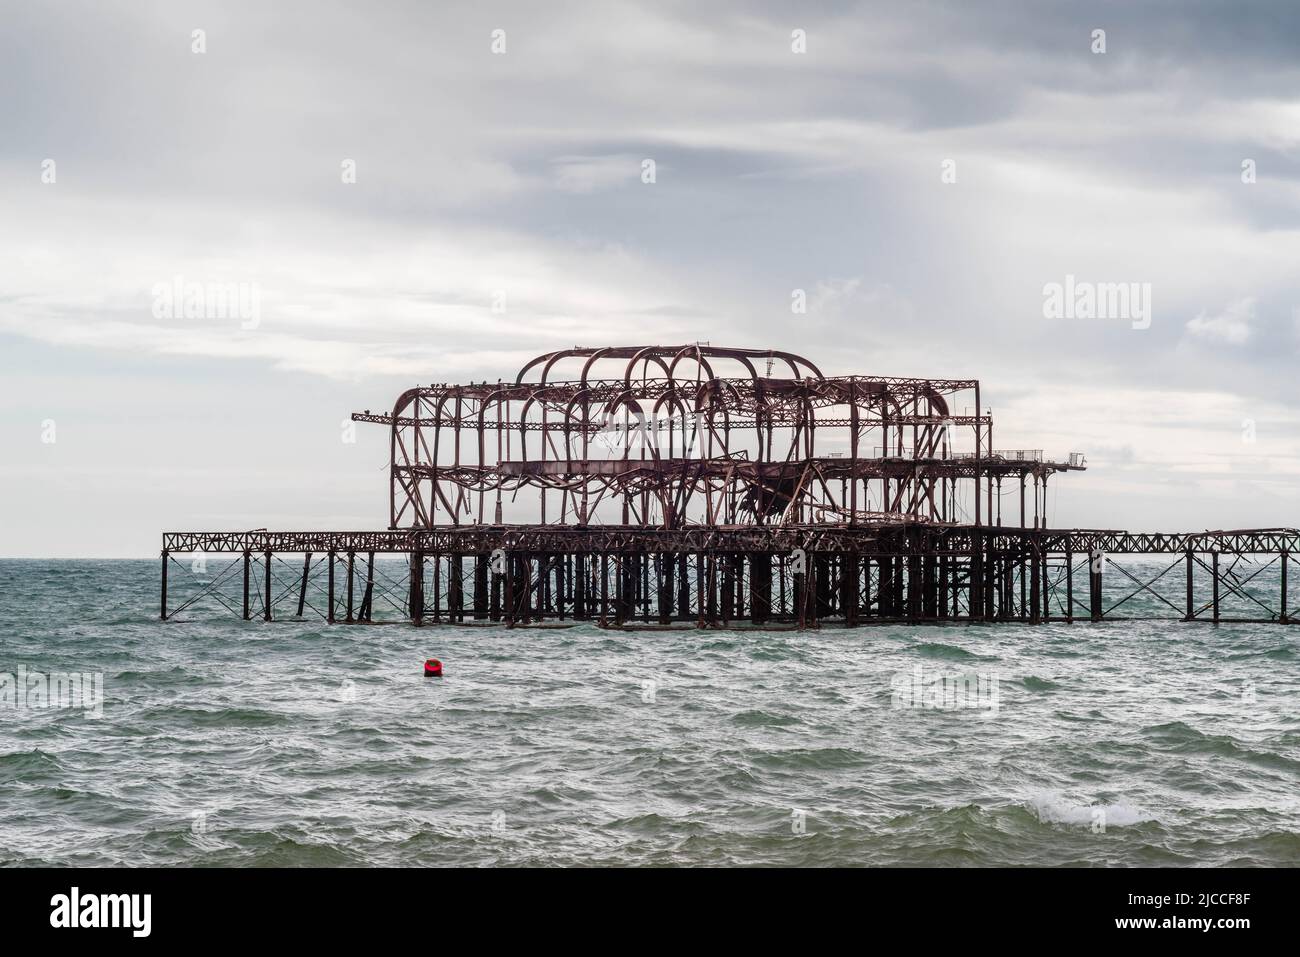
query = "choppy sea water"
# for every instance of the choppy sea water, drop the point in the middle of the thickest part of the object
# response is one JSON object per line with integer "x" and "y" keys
{"x": 224, "y": 742}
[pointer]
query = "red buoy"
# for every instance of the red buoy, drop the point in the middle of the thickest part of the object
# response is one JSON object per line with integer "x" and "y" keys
{"x": 433, "y": 668}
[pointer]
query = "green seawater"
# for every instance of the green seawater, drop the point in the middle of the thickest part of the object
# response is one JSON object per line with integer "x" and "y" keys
{"x": 230, "y": 743}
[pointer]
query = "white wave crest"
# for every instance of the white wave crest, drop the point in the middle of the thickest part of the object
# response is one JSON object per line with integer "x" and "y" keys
{"x": 1056, "y": 809}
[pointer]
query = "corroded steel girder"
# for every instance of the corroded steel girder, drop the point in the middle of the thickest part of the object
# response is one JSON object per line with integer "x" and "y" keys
{"x": 673, "y": 436}
{"x": 883, "y": 536}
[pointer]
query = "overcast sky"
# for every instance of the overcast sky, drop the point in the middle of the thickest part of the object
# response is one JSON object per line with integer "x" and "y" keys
{"x": 519, "y": 174}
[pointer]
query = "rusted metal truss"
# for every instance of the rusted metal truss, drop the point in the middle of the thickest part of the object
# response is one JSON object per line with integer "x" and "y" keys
{"x": 671, "y": 485}
{"x": 672, "y": 436}
{"x": 894, "y": 539}
{"x": 724, "y": 576}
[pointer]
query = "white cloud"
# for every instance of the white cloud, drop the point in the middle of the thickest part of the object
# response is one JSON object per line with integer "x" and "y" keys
{"x": 396, "y": 300}
{"x": 1231, "y": 327}
{"x": 592, "y": 174}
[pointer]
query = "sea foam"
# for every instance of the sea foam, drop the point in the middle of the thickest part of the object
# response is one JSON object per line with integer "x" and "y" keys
{"x": 1056, "y": 809}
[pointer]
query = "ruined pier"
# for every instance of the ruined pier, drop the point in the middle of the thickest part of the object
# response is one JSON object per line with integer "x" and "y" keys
{"x": 697, "y": 486}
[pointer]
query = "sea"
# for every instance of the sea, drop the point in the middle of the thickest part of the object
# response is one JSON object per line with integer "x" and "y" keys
{"x": 211, "y": 741}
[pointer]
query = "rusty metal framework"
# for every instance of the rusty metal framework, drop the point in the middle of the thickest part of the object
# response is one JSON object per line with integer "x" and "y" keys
{"x": 674, "y": 436}
{"x": 672, "y": 485}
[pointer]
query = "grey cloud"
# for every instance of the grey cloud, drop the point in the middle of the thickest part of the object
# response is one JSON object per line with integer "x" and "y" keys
{"x": 776, "y": 171}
